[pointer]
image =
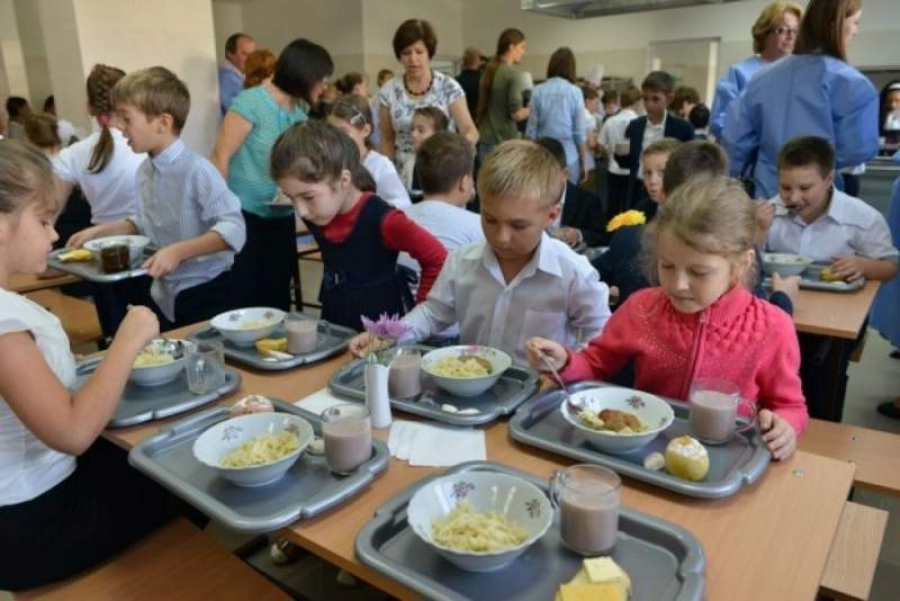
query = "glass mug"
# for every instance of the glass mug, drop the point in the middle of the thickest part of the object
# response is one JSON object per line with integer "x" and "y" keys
{"x": 347, "y": 432}
{"x": 587, "y": 498}
{"x": 204, "y": 365}
{"x": 714, "y": 405}
{"x": 405, "y": 375}
{"x": 303, "y": 333}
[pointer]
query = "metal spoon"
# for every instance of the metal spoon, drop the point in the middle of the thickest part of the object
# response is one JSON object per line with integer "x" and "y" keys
{"x": 573, "y": 406}
{"x": 175, "y": 348}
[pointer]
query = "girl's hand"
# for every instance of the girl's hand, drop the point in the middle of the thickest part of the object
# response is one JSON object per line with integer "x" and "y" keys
{"x": 848, "y": 268}
{"x": 554, "y": 351}
{"x": 78, "y": 239}
{"x": 140, "y": 326}
{"x": 778, "y": 435}
{"x": 359, "y": 345}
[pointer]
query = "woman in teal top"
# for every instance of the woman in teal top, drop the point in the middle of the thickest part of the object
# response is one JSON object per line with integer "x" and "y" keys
{"x": 257, "y": 116}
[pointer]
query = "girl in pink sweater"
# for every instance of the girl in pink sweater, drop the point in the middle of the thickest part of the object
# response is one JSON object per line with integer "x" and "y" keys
{"x": 701, "y": 321}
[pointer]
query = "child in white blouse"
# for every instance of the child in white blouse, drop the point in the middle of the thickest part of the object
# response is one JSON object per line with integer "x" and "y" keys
{"x": 351, "y": 115}
{"x": 520, "y": 281}
{"x": 55, "y": 475}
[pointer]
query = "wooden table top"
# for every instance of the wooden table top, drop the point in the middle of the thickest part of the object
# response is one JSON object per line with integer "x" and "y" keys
{"x": 771, "y": 540}
{"x": 836, "y": 314}
{"x": 23, "y": 283}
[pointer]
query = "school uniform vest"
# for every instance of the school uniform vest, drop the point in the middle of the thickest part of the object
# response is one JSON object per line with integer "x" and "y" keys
{"x": 360, "y": 275}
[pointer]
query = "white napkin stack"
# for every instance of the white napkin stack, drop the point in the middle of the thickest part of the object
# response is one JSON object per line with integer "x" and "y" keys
{"x": 427, "y": 445}
{"x": 319, "y": 401}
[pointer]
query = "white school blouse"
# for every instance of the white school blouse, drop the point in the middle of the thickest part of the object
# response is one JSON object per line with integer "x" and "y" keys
{"x": 28, "y": 467}
{"x": 387, "y": 182}
{"x": 112, "y": 193}
{"x": 557, "y": 295}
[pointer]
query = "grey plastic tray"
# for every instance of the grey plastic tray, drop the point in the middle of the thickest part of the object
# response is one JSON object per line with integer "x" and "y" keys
{"x": 307, "y": 489}
{"x": 665, "y": 561}
{"x": 91, "y": 271}
{"x": 515, "y": 387}
{"x": 141, "y": 404}
{"x": 731, "y": 466}
{"x": 328, "y": 344}
{"x": 811, "y": 280}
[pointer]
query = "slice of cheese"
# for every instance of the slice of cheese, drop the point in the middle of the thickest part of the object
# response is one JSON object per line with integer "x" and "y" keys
{"x": 77, "y": 255}
{"x": 591, "y": 592}
{"x": 604, "y": 570}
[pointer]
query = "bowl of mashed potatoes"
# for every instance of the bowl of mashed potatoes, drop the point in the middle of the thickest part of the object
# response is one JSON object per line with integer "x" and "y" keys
{"x": 466, "y": 370}
{"x": 256, "y": 449}
{"x": 157, "y": 364}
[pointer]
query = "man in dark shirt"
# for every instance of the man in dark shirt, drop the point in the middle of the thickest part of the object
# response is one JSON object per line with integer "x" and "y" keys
{"x": 470, "y": 77}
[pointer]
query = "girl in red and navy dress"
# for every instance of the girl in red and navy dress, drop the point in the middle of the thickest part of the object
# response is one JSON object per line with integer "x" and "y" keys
{"x": 317, "y": 167}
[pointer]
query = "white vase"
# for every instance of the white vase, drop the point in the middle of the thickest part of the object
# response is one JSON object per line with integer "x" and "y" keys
{"x": 377, "y": 399}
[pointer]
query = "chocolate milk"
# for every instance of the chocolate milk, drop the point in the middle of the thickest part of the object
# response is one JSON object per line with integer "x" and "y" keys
{"x": 589, "y": 518}
{"x": 348, "y": 443}
{"x": 713, "y": 415}
{"x": 405, "y": 379}
{"x": 302, "y": 335}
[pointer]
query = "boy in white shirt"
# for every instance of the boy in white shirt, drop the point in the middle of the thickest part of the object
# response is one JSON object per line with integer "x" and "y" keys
{"x": 814, "y": 219}
{"x": 612, "y": 134}
{"x": 444, "y": 163}
{"x": 520, "y": 282}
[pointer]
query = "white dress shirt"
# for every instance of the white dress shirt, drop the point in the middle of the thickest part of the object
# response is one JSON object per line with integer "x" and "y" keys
{"x": 557, "y": 295}
{"x": 652, "y": 133}
{"x": 612, "y": 133}
{"x": 849, "y": 227}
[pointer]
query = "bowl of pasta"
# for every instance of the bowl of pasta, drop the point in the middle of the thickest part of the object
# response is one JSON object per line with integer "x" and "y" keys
{"x": 159, "y": 362}
{"x": 785, "y": 264}
{"x": 617, "y": 420}
{"x": 480, "y": 521}
{"x": 255, "y": 449}
{"x": 243, "y": 327}
{"x": 465, "y": 370}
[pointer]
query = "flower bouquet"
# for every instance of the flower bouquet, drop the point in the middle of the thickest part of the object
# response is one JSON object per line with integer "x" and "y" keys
{"x": 383, "y": 334}
{"x": 632, "y": 217}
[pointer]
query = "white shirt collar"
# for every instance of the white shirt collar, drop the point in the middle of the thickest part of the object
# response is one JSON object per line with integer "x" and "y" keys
{"x": 546, "y": 258}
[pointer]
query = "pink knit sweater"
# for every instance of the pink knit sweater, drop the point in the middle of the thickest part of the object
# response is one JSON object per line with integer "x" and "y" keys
{"x": 739, "y": 338}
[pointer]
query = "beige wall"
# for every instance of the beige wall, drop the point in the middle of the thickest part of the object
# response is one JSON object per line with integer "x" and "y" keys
{"x": 132, "y": 34}
{"x": 228, "y": 18}
{"x": 36, "y": 68}
{"x": 13, "y": 78}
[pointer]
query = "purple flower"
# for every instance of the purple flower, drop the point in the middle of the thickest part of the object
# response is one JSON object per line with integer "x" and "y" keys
{"x": 387, "y": 327}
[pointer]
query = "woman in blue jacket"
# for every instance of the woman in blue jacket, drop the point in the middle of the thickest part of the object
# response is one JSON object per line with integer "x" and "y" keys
{"x": 814, "y": 92}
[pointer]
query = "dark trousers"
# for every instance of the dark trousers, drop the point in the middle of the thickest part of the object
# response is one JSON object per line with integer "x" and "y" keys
{"x": 823, "y": 373}
{"x": 264, "y": 267}
{"x": 201, "y": 302}
{"x": 111, "y": 301}
{"x": 617, "y": 194}
{"x": 103, "y": 507}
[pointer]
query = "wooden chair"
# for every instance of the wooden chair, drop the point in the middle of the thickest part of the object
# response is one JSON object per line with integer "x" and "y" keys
{"x": 178, "y": 561}
{"x": 78, "y": 316}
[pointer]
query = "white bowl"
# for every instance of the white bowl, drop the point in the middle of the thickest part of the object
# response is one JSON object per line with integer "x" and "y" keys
{"x": 157, "y": 375}
{"x": 213, "y": 445}
{"x": 655, "y": 413}
{"x": 136, "y": 246}
{"x": 785, "y": 264}
{"x": 517, "y": 500}
{"x": 229, "y": 324}
{"x": 467, "y": 387}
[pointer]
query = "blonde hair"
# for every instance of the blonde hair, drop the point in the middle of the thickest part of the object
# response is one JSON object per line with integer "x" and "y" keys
{"x": 26, "y": 176}
{"x": 155, "y": 91}
{"x": 520, "y": 169}
{"x": 712, "y": 215}
{"x": 768, "y": 19}
{"x": 661, "y": 146}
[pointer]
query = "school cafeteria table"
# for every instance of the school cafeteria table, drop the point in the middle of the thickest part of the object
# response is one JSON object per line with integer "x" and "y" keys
{"x": 23, "y": 283}
{"x": 769, "y": 541}
{"x": 839, "y": 317}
